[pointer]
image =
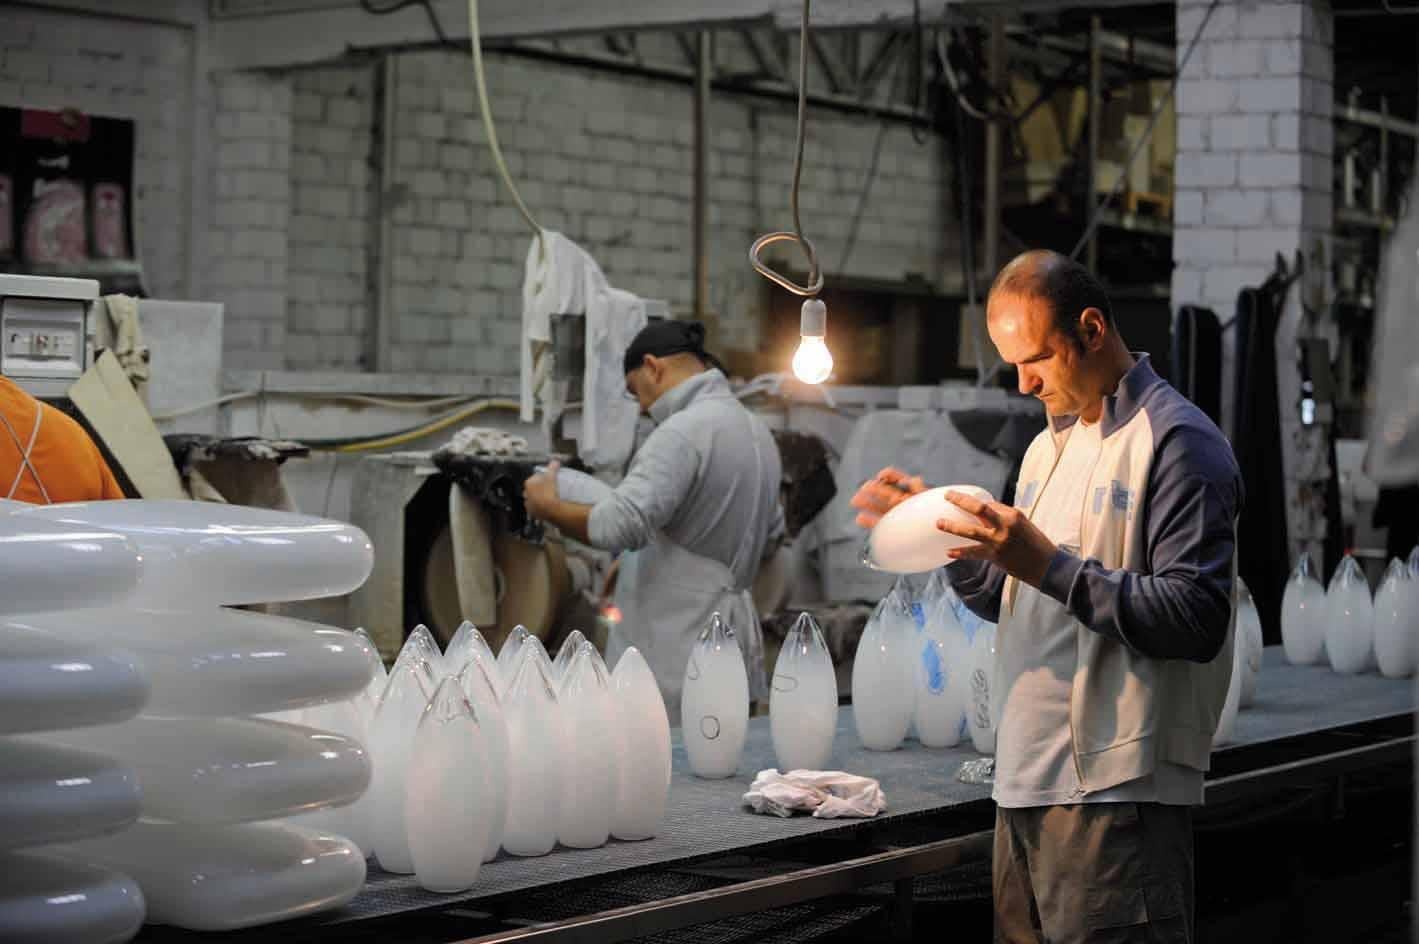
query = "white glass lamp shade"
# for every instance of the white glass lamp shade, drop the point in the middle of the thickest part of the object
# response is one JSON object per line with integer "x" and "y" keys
{"x": 218, "y": 662}
{"x": 47, "y": 565}
{"x": 644, "y": 728}
{"x": 218, "y": 771}
{"x": 204, "y": 553}
{"x": 391, "y": 742}
{"x": 348, "y": 719}
{"x": 907, "y": 541}
{"x": 535, "y": 768}
{"x": 447, "y": 806}
{"x": 1250, "y": 639}
{"x": 48, "y": 683}
{"x": 479, "y": 681}
{"x": 942, "y": 673}
{"x": 803, "y": 699}
{"x": 592, "y": 752}
{"x": 1303, "y": 616}
{"x": 565, "y": 653}
{"x": 46, "y": 898}
{"x": 981, "y": 712}
{"x": 1350, "y": 619}
{"x": 1397, "y": 622}
{"x": 882, "y": 677}
{"x": 221, "y": 878}
{"x": 1227, "y": 721}
{"x": 714, "y": 702}
{"x": 50, "y": 793}
{"x": 507, "y": 655}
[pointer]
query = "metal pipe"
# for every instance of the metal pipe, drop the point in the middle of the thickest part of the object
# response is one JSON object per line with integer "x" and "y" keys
{"x": 1096, "y": 115}
{"x": 995, "y": 72}
{"x": 377, "y": 338}
{"x": 699, "y": 214}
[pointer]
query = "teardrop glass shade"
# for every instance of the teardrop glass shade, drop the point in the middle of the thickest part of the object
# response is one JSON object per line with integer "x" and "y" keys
{"x": 1397, "y": 621}
{"x": 535, "y": 769}
{"x": 533, "y": 649}
{"x": 803, "y": 700}
{"x": 478, "y": 679}
{"x": 201, "y": 554}
{"x": 466, "y": 643}
{"x": 50, "y": 793}
{"x": 941, "y": 661}
{"x": 378, "y": 679}
{"x": 349, "y": 720}
{"x": 883, "y": 677}
{"x": 47, "y": 898}
{"x": 446, "y": 806}
{"x": 644, "y": 728}
{"x": 1249, "y": 638}
{"x": 47, "y": 683}
{"x": 1350, "y": 619}
{"x": 714, "y": 702}
{"x": 1303, "y": 615}
{"x": 907, "y": 541}
{"x": 592, "y": 755}
{"x": 391, "y": 743}
{"x": 569, "y": 648}
{"x": 1226, "y": 722}
{"x": 982, "y": 711}
{"x": 220, "y": 771}
{"x": 507, "y": 655}
{"x": 1412, "y": 563}
{"x": 424, "y": 644}
{"x": 220, "y": 878}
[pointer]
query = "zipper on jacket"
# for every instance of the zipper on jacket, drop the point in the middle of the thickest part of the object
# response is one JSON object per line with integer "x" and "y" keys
{"x": 1083, "y": 543}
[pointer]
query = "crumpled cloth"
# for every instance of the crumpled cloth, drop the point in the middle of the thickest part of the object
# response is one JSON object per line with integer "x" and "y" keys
{"x": 827, "y": 794}
{"x": 485, "y": 441}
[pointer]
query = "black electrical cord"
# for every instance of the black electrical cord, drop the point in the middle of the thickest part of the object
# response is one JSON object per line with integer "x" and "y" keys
{"x": 370, "y": 6}
{"x": 919, "y": 134}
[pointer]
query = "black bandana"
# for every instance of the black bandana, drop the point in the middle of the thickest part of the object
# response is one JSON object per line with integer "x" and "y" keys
{"x": 664, "y": 338}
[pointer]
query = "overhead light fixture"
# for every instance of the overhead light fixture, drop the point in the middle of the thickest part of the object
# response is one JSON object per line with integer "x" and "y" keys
{"x": 813, "y": 362}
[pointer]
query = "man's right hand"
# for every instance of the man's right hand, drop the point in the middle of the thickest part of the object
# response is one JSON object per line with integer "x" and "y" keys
{"x": 883, "y": 492}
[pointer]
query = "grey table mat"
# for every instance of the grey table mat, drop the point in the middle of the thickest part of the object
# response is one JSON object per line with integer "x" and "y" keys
{"x": 706, "y": 817}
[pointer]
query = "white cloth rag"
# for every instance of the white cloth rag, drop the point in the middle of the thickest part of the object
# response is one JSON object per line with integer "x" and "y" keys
{"x": 485, "y": 441}
{"x": 826, "y": 793}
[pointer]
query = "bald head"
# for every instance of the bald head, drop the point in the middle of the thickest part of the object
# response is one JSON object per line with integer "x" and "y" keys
{"x": 1065, "y": 286}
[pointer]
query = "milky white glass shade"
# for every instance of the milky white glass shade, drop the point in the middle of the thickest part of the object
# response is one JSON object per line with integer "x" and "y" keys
{"x": 466, "y": 643}
{"x": 46, "y": 899}
{"x": 447, "y": 809}
{"x": 1226, "y": 722}
{"x": 220, "y": 878}
{"x": 535, "y": 768}
{"x": 507, "y": 655}
{"x": 883, "y": 678}
{"x": 212, "y": 771}
{"x": 591, "y": 754}
{"x": 1349, "y": 619}
{"x": 391, "y": 742}
{"x": 1250, "y": 639}
{"x": 803, "y": 699}
{"x": 941, "y": 679}
{"x": 216, "y": 662}
{"x": 48, "y": 683}
{"x": 352, "y": 820}
{"x": 907, "y": 541}
{"x": 50, "y": 793}
{"x": 1397, "y": 622}
{"x": 644, "y": 727}
{"x": 1303, "y": 616}
{"x": 565, "y": 653}
{"x": 981, "y": 710}
{"x": 201, "y": 552}
{"x": 714, "y": 703}
{"x": 479, "y": 681}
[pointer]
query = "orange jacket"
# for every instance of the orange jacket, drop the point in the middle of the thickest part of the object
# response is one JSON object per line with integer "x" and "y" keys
{"x": 66, "y": 459}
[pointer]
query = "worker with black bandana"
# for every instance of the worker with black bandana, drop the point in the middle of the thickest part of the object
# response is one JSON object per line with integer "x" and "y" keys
{"x": 695, "y": 515}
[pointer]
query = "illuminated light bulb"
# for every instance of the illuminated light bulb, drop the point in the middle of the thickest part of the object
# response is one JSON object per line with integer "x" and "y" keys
{"x": 812, "y": 362}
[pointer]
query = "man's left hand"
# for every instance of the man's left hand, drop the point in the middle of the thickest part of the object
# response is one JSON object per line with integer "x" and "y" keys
{"x": 1006, "y": 538}
{"x": 539, "y": 492}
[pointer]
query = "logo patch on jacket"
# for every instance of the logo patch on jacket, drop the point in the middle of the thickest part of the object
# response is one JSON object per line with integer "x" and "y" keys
{"x": 1120, "y": 497}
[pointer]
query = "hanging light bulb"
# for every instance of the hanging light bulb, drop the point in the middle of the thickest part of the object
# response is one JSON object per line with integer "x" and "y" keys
{"x": 812, "y": 362}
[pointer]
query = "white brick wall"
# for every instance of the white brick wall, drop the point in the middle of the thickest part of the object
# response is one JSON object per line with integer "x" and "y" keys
{"x": 117, "y": 69}
{"x": 607, "y": 161}
{"x": 332, "y": 134}
{"x": 251, "y": 208}
{"x": 1253, "y": 171}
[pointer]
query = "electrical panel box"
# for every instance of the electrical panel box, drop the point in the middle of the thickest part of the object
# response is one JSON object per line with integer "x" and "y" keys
{"x": 44, "y": 331}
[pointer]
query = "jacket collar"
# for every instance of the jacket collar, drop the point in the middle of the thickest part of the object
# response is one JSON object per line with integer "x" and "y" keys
{"x": 1121, "y": 405}
{"x": 709, "y": 383}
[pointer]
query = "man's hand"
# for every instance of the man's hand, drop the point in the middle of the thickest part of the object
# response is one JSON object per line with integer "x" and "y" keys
{"x": 539, "y": 492}
{"x": 1006, "y": 538}
{"x": 883, "y": 492}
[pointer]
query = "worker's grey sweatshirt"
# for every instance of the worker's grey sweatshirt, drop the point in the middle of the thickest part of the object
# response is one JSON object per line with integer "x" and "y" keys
{"x": 1152, "y": 587}
{"x": 707, "y": 476}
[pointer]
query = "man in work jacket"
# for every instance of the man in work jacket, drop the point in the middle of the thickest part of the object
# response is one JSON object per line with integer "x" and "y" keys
{"x": 696, "y": 512}
{"x": 1111, "y": 580}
